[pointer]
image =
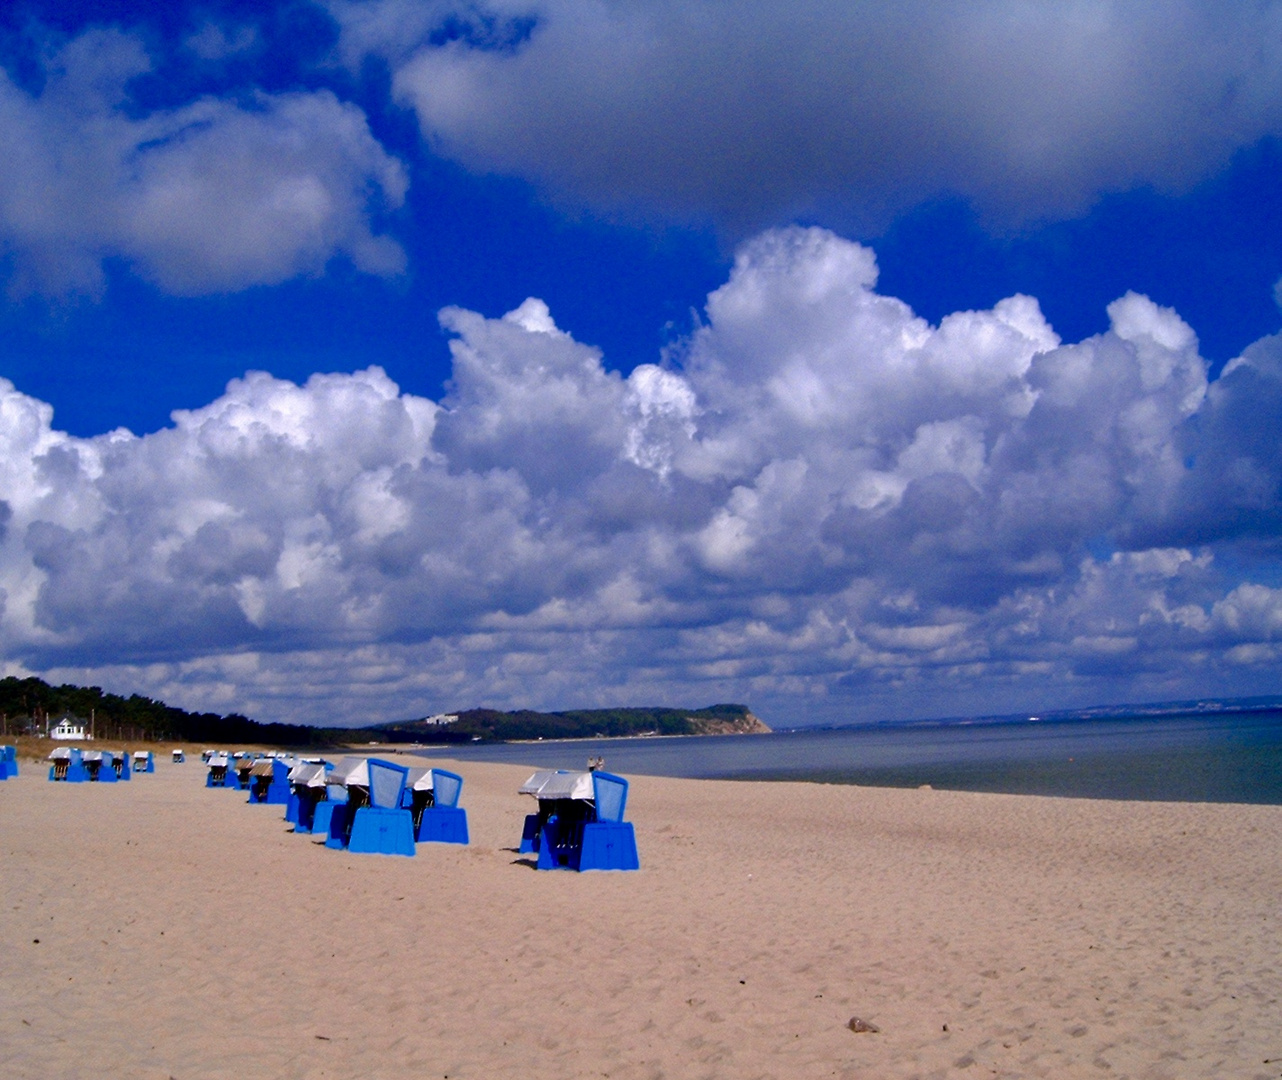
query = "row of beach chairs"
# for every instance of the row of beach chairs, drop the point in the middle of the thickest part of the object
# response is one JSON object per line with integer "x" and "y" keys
{"x": 363, "y": 805}
{"x": 255, "y": 773}
{"x": 72, "y": 765}
{"x": 372, "y": 806}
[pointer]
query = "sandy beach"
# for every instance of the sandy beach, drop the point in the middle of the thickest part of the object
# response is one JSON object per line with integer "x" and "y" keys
{"x": 160, "y": 929}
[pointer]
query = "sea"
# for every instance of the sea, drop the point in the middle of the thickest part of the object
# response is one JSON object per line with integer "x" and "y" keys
{"x": 1193, "y": 756}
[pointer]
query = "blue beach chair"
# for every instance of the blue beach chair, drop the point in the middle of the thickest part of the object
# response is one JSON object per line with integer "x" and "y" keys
{"x": 100, "y": 766}
{"x": 269, "y": 782}
{"x": 68, "y": 766}
{"x": 580, "y": 822}
{"x": 241, "y": 769}
{"x": 609, "y": 842}
{"x": 8, "y": 762}
{"x": 308, "y": 789}
{"x": 220, "y": 771}
{"x": 533, "y": 828}
{"x": 323, "y": 819}
{"x": 383, "y": 826}
{"x": 346, "y": 789}
{"x": 442, "y": 820}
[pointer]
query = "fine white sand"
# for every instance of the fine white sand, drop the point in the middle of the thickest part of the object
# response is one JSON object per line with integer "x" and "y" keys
{"x": 182, "y": 933}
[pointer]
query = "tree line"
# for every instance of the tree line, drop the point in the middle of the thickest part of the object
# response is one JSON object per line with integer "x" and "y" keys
{"x": 32, "y": 706}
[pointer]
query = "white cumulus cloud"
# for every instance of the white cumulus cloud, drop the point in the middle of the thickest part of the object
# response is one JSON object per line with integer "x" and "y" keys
{"x": 215, "y": 195}
{"x": 751, "y": 112}
{"x": 821, "y": 503}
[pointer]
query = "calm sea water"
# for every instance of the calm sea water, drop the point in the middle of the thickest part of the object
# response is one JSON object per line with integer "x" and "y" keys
{"x": 1187, "y": 758}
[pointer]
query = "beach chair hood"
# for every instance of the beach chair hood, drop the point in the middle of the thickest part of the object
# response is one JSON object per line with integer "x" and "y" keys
{"x": 309, "y": 775}
{"x": 419, "y": 780}
{"x": 559, "y": 784}
{"x": 351, "y": 772}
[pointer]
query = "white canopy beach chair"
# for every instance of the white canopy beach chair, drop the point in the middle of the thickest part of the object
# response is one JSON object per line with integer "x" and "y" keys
{"x": 66, "y": 764}
{"x": 380, "y": 824}
{"x": 308, "y": 787}
{"x": 220, "y": 771}
{"x": 433, "y": 798}
{"x": 579, "y": 824}
{"x": 269, "y": 781}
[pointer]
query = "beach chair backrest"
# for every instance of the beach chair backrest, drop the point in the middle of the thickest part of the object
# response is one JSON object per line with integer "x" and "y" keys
{"x": 386, "y": 784}
{"x": 446, "y": 787}
{"x": 611, "y": 796}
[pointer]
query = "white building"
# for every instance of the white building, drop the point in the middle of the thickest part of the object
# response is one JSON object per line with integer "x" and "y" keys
{"x": 70, "y": 728}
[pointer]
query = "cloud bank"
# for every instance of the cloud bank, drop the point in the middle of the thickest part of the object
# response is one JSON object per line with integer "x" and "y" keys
{"x": 821, "y": 504}
{"x": 213, "y": 196}
{"x": 742, "y": 115}
{"x": 752, "y": 113}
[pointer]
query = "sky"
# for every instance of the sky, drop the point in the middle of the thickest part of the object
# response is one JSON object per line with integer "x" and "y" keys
{"x": 365, "y": 359}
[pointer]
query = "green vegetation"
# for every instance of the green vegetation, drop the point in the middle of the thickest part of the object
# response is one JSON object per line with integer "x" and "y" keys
{"x": 27, "y": 705}
{"x": 32, "y": 706}
{"x": 490, "y": 725}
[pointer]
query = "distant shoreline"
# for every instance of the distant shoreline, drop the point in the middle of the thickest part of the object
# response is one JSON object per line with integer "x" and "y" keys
{"x": 1229, "y": 757}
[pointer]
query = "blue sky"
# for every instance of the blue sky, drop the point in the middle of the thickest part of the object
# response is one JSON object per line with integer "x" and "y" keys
{"x": 862, "y": 362}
